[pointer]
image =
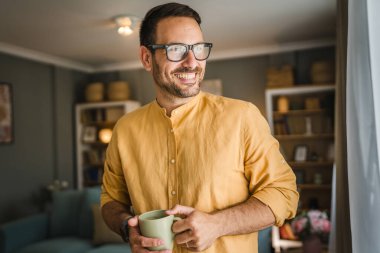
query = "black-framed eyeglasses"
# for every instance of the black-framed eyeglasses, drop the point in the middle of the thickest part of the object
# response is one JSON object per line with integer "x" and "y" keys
{"x": 178, "y": 51}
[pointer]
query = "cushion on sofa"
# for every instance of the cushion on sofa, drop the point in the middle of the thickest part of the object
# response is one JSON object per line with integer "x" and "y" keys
{"x": 102, "y": 234}
{"x": 112, "y": 248}
{"x": 58, "y": 245}
{"x": 64, "y": 214}
{"x": 91, "y": 196}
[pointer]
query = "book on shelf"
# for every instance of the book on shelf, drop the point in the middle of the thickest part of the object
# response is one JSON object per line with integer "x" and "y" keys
{"x": 92, "y": 115}
{"x": 114, "y": 113}
{"x": 93, "y": 174}
{"x": 281, "y": 126}
{"x": 91, "y": 157}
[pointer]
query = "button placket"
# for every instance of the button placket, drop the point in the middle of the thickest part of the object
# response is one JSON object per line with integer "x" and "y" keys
{"x": 172, "y": 168}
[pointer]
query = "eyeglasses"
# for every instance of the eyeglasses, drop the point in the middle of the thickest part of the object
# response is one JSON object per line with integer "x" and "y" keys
{"x": 177, "y": 51}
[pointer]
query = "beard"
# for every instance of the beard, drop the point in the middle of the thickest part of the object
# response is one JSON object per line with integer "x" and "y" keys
{"x": 170, "y": 87}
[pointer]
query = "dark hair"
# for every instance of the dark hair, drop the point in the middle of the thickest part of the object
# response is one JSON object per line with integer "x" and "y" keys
{"x": 154, "y": 15}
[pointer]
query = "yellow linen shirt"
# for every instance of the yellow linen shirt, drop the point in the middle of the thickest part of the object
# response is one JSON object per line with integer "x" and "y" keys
{"x": 211, "y": 154}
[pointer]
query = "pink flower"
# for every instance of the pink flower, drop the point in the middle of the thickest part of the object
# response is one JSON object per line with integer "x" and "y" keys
{"x": 311, "y": 222}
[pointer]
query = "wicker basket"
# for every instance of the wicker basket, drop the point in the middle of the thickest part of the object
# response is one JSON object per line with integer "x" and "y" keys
{"x": 279, "y": 77}
{"x": 118, "y": 90}
{"x": 322, "y": 72}
{"x": 94, "y": 92}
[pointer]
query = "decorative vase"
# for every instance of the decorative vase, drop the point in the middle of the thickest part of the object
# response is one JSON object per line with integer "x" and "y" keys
{"x": 312, "y": 244}
{"x": 283, "y": 104}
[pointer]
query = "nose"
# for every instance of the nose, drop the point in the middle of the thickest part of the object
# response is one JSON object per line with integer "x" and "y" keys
{"x": 190, "y": 61}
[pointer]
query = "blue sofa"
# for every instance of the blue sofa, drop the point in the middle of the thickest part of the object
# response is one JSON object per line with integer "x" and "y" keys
{"x": 69, "y": 228}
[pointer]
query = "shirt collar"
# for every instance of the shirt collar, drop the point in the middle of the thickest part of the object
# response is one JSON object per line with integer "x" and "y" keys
{"x": 183, "y": 108}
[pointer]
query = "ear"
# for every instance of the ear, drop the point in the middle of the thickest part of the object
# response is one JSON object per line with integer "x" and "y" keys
{"x": 146, "y": 58}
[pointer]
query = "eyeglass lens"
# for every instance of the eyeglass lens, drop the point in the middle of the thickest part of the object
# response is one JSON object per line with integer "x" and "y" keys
{"x": 178, "y": 52}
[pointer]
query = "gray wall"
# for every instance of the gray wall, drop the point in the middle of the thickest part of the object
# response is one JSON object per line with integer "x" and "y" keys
{"x": 42, "y": 150}
{"x": 242, "y": 78}
{"x": 44, "y": 98}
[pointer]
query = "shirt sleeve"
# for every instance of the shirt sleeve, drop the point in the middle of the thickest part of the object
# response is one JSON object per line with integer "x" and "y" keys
{"x": 271, "y": 180}
{"x": 114, "y": 187}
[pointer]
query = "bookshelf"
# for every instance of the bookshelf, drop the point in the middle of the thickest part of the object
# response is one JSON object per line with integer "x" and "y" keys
{"x": 91, "y": 119}
{"x": 301, "y": 118}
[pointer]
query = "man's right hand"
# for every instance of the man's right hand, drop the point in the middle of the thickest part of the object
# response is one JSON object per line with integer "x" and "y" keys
{"x": 138, "y": 242}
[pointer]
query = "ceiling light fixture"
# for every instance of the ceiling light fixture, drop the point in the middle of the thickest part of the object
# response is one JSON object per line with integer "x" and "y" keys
{"x": 125, "y": 24}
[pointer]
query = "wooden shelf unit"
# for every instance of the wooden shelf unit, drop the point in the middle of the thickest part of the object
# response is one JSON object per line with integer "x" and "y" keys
{"x": 296, "y": 137}
{"x": 90, "y": 151}
{"x": 299, "y": 112}
{"x": 314, "y": 171}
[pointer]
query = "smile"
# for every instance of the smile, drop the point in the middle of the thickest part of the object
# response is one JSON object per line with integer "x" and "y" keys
{"x": 186, "y": 76}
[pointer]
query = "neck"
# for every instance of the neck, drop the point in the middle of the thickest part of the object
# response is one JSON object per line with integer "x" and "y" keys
{"x": 170, "y": 102}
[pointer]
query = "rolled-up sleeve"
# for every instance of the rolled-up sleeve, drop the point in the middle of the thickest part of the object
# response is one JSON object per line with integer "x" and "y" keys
{"x": 114, "y": 187}
{"x": 271, "y": 180}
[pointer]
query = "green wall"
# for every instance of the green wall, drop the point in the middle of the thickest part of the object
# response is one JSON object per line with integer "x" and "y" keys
{"x": 44, "y": 97}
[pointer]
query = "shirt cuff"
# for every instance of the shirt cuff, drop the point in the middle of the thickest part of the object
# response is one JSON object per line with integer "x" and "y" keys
{"x": 279, "y": 202}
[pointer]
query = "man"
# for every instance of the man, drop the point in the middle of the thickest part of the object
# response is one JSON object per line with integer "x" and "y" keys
{"x": 207, "y": 158}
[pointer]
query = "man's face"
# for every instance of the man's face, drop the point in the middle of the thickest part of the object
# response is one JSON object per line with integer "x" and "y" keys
{"x": 179, "y": 79}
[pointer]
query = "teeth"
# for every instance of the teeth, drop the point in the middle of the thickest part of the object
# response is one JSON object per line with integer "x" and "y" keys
{"x": 185, "y": 75}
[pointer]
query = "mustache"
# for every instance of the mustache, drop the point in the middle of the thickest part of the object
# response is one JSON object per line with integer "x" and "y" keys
{"x": 188, "y": 70}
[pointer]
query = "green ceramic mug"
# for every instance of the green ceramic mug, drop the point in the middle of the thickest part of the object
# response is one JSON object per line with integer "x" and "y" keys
{"x": 157, "y": 224}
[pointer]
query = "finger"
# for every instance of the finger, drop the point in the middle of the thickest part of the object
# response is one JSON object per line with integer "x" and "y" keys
{"x": 184, "y": 238}
{"x": 181, "y": 226}
{"x": 149, "y": 242}
{"x": 133, "y": 222}
{"x": 178, "y": 209}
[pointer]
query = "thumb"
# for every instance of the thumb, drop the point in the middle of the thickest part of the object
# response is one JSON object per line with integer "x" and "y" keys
{"x": 178, "y": 209}
{"x": 133, "y": 222}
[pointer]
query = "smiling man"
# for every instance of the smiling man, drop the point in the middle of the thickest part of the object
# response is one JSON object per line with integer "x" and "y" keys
{"x": 209, "y": 159}
{"x": 178, "y": 65}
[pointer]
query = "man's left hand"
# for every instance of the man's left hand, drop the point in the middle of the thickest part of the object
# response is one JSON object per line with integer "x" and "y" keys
{"x": 197, "y": 231}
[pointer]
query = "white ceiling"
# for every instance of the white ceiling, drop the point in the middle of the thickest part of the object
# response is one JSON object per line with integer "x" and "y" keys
{"x": 80, "y": 34}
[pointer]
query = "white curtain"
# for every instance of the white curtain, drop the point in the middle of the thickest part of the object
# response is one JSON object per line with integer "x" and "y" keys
{"x": 363, "y": 123}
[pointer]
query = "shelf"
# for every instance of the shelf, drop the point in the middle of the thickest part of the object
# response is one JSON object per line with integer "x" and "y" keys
{"x": 301, "y": 89}
{"x": 93, "y": 165}
{"x": 299, "y": 112}
{"x": 96, "y": 144}
{"x": 296, "y": 137}
{"x": 310, "y": 164}
{"x": 90, "y": 118}
{"x": 100, "y": 124}
{"x": 290, "y": 129}
{"x": 314, "y": 186}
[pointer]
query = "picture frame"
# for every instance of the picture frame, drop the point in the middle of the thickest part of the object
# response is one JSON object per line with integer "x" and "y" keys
{"x": 300, "y": 153}
{"x": 6, "y": 114}
{"x": 89, "y": 134}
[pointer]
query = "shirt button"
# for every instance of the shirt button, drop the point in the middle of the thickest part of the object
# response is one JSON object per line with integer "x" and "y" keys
{"x": 172, "y": 160}
{"x": 173, "y": 193}
{"x": 171, "y": 130}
